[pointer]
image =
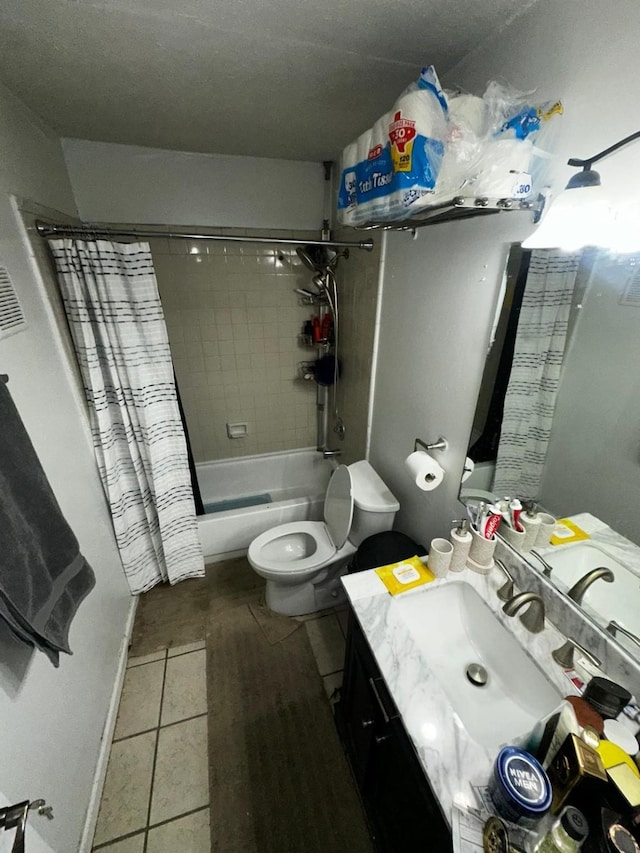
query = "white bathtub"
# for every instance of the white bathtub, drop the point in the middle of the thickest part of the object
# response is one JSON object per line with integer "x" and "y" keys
{"x": 295, "y": 480}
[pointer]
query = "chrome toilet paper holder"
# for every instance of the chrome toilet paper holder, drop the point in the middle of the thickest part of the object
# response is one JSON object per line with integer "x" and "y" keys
{"x": 440, "y": 444}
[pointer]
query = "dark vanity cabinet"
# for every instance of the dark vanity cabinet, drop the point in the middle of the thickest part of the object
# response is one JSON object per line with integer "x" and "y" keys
{"x": 403, "y": 813}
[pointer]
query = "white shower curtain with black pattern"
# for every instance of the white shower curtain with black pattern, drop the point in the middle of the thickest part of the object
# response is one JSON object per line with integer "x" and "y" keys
{"x": 536, "y": 370}
{"x": 111, "y": 299}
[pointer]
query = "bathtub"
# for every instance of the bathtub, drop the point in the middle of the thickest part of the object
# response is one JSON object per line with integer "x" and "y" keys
{"x": 292, "y": 481}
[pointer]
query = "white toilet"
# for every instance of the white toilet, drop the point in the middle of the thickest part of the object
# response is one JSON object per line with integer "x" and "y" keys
{"x": 302, "y": 561}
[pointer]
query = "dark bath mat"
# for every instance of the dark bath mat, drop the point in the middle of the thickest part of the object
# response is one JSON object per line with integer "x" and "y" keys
{"x": 274, "y": 626}
{"x": 279, "y": 781}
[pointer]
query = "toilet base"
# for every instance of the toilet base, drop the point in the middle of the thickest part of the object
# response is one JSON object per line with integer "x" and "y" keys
{"x": 308, "y": 597}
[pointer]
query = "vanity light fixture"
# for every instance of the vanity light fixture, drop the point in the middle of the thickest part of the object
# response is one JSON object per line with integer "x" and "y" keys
{"x": 588, "y": 217}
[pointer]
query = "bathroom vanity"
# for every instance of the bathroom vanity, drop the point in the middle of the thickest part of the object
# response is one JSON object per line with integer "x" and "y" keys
{"x": 419, "y": 734}
{"x": 401, "y": 807}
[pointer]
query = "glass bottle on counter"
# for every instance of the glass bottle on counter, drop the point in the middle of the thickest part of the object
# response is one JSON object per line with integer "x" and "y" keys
{"x": 566, "y": 834}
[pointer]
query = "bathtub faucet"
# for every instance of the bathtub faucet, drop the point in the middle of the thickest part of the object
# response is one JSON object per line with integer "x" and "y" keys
{"x": 329, "y": 454}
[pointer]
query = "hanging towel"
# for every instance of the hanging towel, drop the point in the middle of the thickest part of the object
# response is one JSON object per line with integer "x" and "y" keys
{"x": 43, "y": 575}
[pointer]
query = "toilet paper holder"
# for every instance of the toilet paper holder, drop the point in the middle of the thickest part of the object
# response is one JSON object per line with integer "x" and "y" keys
{"x": 440, "y": 444}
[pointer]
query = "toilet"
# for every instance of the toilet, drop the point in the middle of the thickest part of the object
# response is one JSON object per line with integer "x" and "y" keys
{"x": 302, "y": 561}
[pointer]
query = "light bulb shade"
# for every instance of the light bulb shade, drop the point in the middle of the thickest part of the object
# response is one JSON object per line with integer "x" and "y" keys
{"x": 578, "y": 217}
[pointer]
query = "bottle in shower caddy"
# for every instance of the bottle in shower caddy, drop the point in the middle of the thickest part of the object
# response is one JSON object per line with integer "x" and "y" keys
{"x": 326, "y": 329}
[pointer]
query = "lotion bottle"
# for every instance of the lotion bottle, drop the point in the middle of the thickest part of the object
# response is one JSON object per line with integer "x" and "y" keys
{"x": 530, "y": 520}
{"x": 460, "y": 537}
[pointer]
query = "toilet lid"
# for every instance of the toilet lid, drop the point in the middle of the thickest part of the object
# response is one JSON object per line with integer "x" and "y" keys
{"x": 338, "y": 506}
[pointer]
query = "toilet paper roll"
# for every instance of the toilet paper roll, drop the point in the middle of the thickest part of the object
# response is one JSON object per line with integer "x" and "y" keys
{"x": 424, "y": 470}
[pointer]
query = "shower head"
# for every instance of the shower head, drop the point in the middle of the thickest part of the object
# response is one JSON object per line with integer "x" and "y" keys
{"x": 315, "y": 258}
{"x": 319, "y": 281}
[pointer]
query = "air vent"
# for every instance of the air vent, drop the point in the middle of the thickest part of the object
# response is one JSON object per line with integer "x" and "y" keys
{"x": 631, "y": 295}
{"x": 11, "y": 316}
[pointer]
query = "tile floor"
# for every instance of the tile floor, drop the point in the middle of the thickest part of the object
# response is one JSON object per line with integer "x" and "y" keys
{"x": 156, "y": 797}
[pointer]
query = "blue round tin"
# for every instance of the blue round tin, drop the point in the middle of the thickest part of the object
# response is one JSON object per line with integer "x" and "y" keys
{"x": 519, "y": 787}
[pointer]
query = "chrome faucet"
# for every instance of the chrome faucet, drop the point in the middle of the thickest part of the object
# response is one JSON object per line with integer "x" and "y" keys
{"x": 329, "y": 454}
{"x": 547, "y": 568}
{"x": 564, "y": 655}
{"x": 533, "y": 619}
{"x": 578, "y": 590}
{"x": 615, "y": 628}
{"x": 508, "y": 589}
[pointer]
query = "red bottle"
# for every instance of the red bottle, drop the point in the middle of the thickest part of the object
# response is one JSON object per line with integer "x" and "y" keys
{"x": 317, "y": 333}
{"x": 327, "y": 327}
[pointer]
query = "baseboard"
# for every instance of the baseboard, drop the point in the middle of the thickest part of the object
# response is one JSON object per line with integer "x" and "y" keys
{"x": 228, "y": 555}
{"x": 107, "y": 735}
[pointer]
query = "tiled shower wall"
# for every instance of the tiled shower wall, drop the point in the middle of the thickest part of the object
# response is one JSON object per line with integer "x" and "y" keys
{"x": 233, "y": 322}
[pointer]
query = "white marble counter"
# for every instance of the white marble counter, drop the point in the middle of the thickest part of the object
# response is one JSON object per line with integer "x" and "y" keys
{"x": 619, "y": 547}
{"x": 451, "y": 759}
{"x": 621, "y": 600}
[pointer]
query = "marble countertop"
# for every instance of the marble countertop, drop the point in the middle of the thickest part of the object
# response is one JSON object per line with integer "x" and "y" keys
{"x": 452, "y": 761}
{"x": 618, "y": 546}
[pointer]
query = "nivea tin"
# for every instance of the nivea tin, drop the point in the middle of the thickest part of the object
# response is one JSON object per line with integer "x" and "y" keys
{"x": 519, "y": 787}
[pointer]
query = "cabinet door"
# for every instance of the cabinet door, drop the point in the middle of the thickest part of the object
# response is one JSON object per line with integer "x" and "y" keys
{"x": 407, "y": 815}
{"x": 403, "y": 812}
{"x": 358, "y": 708}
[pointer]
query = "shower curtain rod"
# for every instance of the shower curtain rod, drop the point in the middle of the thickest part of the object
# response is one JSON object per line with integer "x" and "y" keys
{"x": 46, "y": 229}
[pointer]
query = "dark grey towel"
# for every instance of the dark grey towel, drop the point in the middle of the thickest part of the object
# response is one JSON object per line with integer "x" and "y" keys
{"x": 43, "y": 575}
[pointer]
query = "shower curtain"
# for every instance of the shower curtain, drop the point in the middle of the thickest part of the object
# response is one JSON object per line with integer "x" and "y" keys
{"x": 535, "y": 373}
{"x": 111, "y": 299}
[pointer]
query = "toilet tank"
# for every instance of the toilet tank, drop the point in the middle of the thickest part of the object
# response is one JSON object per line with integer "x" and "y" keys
{"x": 374, "y": 507}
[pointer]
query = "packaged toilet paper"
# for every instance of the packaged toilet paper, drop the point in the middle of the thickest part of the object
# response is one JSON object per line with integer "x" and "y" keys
{"x": 396, "y": 162}
{"x": 434, "y": 146}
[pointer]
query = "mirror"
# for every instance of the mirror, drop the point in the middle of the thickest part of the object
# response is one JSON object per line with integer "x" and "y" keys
{"x": 558, "y": 417}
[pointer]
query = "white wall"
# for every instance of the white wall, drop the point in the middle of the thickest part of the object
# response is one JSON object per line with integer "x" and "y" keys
{"x": 53, "y": 719}
{"x": 440, "y": 291}
{"x": 126, "y": 183}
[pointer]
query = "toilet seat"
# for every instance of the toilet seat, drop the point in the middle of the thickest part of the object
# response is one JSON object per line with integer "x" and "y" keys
{"x": 274, "y": 550}
{"x": 316, "y": 530}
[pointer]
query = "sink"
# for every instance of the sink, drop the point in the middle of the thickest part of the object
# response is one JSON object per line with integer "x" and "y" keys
{"x": 619, "y": 600}
{"x": 453, "y": 628}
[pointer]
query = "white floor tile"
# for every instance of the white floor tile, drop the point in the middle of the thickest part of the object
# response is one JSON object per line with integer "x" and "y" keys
{"x": 185, "y": 687}
{"x": 181, "y": 781}
{"x": 327, "y": 642}
{"x": 141, "y": 659}
{"x": 140, "y": 701}
{"x": 134, "y": 844}
{"x": 125, "y": 799}
{"x": 188, "y": 834}
{"x": 183, "y": 650}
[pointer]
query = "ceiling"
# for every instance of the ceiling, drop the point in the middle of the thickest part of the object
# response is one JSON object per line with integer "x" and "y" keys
{"x": 294, "y": 79}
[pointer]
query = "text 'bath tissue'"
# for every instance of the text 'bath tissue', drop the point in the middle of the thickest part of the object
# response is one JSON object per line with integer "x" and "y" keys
{"x": 424, "y": 470}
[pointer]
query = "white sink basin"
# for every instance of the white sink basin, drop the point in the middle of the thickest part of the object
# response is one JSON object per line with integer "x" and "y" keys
{"x": 453, "y": 627}
{"x": 619, "y": 600}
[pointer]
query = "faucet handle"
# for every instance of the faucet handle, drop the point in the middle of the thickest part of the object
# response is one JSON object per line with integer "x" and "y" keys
{"x": 547, "y": 568}
{"x": 564, "y": 655}
{"x": 506, "y": 591}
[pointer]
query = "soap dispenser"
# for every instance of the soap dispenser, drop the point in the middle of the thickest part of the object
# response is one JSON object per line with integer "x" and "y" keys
{"x": 460, "y": 537}
{"x": 530, "y": 520}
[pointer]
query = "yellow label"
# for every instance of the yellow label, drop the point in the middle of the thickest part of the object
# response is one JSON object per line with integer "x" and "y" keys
{"x": 407, "y": 574}
{"x": 566, "y": 531}
{"x": 402, "y": 160}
